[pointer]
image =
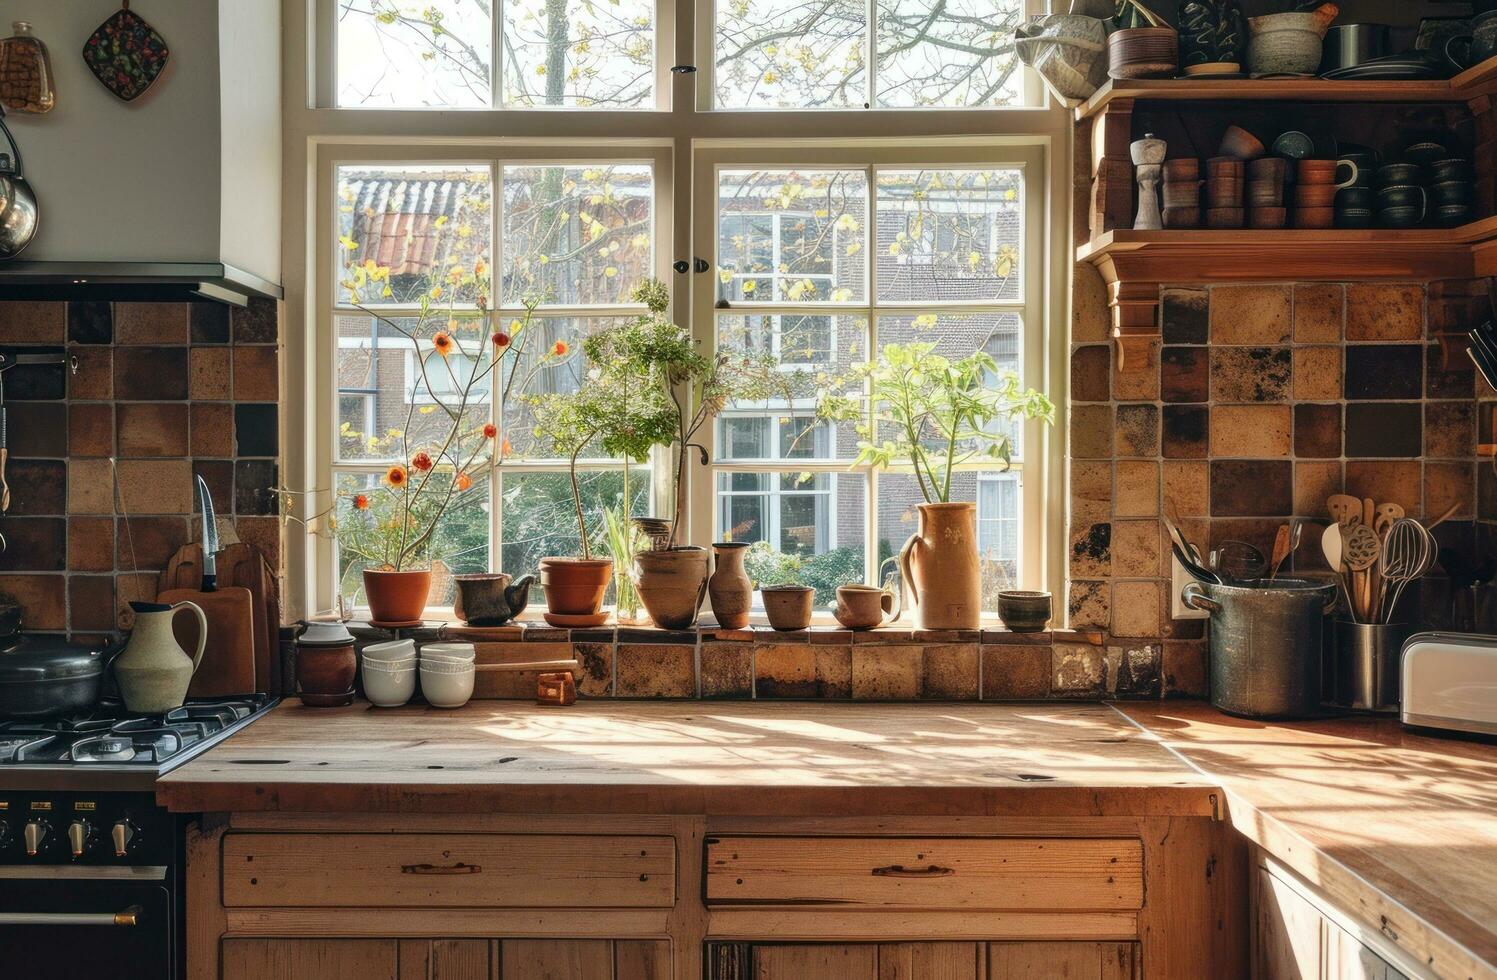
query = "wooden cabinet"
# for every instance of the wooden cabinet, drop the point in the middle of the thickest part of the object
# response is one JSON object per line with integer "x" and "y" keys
{"x": 446, "y": 959}
{"x": 1299, "y": 936}
{"x": 923, "y": 961}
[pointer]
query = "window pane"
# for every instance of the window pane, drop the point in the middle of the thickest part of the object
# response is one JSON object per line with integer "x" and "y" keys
{"x": 547, "y": 359}
{"x": 405, "y": 233}
{"x": 539, "y": 520}
{"x": 807, "y": 527}
{"x": 949, "y": 235}
{"x": 575, "y": 53}
{"x": 791, "y": 54}
{"x": 577, "y": 234}
{"x": 460, "y": 543}
{"x": 898, "y": 518}
{"x": 957, "y": 54}
{"x": 398, "y": 54}
{"x": 792, "y": 236}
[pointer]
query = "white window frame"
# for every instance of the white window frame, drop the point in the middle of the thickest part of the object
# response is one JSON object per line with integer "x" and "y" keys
{"x": 317, "y": 135}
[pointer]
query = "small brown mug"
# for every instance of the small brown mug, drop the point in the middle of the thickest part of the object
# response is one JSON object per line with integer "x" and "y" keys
{"x": 863, "y": 607}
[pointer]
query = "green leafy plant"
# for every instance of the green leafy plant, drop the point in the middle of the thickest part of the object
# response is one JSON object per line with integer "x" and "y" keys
{"x": 623, "y": 540}
{"x": 930, "y": 411}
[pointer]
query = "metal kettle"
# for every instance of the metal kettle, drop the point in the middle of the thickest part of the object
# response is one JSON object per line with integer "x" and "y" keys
{"x": 18, "y": 207}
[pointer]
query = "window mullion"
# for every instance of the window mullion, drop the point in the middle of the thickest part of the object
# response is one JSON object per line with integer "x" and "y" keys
{"x": 870, "y": 72}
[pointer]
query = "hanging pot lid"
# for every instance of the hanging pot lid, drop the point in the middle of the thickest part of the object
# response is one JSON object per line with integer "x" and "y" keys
{"x": 46, "y": 658}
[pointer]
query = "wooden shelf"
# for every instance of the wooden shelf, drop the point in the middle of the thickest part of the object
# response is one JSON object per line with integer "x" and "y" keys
{"x": 1464, "y": 86}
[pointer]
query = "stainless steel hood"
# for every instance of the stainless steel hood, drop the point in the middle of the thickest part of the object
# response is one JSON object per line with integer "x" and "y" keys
{"x": 132, "y": 281}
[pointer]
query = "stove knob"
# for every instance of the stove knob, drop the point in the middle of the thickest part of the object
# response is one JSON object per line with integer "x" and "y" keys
{"x": 4, "y": 835}
{"x": 80, "y": 836}
{"x": 125, "y": 837}
{"x": 35, "y": 835}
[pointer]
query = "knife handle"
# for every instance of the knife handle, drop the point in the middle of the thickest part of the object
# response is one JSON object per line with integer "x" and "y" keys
{"x": 4, "y": 486}
{"x": 210, "y": 582}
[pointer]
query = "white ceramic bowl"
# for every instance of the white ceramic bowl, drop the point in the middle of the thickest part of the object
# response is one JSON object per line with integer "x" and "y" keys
{"x": 388, "y": 687}
{"x": 447, "y": 685}
{"x": 464, "y": 653}
{"x": 390, "y": 651}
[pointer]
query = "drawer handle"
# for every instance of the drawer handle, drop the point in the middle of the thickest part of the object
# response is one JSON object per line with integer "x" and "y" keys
{"x": 128, "y": 917}
{"x": 441, "y": 869}
{"x": 900, "y": 871}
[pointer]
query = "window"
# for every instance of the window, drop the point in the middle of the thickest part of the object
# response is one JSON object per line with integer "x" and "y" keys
{"x": 804, "y": 177}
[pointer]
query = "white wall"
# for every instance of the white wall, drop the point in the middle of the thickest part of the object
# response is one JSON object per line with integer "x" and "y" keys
{"x": 250, "y": 52}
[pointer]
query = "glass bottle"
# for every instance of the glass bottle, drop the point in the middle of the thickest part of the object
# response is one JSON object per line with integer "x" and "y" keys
{"x": 25, "y": 72}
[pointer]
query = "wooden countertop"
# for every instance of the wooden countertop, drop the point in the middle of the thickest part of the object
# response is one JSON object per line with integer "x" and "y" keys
{"x": 1399, "y": 830}
{"x": 740, "y": 758}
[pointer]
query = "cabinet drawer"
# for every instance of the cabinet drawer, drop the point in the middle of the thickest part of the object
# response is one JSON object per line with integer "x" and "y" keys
{"x": 995, "y": 873}
{"x": 448, "y": 871}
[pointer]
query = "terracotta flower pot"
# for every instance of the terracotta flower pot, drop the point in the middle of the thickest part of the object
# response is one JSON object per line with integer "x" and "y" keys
{"x": 788, "y": 607}
{"x": 396, "y": 597}
{"x": 672, "y": 584}
{"x": 939, "y": 568}
{"x": 575, "y": 586}
{"x": 729, "y": 587}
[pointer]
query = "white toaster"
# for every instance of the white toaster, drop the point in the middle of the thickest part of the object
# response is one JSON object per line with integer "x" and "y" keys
{"x": 1450, "y": 681}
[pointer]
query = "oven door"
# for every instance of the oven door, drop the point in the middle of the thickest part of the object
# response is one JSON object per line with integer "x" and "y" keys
{"x": 55, "y": 928}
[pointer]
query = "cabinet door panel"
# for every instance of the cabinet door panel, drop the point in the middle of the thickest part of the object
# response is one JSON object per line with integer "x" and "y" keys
{"x": 309, "y": 959}
{"x": 815, "y": 962}
{"x": 1289, "y": 933}
{"x": 1073, "y": 961}
{"x": 641, "y": 959}
{"x": 460, "y": 959}
{"x": 556, "y": 959}
{"x": 929, "y": 961}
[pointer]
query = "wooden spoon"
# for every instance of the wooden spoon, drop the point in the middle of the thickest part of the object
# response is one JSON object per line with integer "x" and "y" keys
{"x": 1360, "y": 552}
{"x": 1344, "y": 509}
{"x": 1385, "y": 517}
{"x": 1281, "y": 548}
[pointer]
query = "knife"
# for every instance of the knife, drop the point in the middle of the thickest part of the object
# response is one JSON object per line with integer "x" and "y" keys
{"x": 210, "y": 537}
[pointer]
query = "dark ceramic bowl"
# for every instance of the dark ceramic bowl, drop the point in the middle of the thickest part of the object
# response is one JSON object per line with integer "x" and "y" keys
{"x": 1451, "y": 192}
{"x": 1392, "y": 174}
{"x": 1353, "y": 198}
{"x": 1452, "y": 214}
{"x": 1359, "y": 218}
{"x": 1024, "y": 612}
{"x": 1402, "y": 196}
{"x": 1401, "y": 217}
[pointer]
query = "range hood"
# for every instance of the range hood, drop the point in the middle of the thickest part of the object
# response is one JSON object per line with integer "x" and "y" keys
{"x": 174, "y": 196}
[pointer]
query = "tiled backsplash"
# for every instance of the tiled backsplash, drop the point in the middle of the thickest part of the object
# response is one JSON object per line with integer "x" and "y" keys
{"x": 1260, "y": 401}
{"x": 169, "y": 390}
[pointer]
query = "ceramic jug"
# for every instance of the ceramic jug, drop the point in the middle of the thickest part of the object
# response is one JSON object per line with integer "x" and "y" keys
{"x": 939, "y": 570}
{"x": 153, "y": 671}
{"x": 729, "y": 587}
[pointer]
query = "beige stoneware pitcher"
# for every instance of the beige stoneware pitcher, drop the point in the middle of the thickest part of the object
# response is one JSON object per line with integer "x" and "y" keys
{"x": 939, "y": 569}
{"x": 154, "y": 671}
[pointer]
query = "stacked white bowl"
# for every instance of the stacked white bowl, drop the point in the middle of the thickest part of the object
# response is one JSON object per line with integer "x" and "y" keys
{"x": 389, "y": 672}
{"x": 447, "y": 674}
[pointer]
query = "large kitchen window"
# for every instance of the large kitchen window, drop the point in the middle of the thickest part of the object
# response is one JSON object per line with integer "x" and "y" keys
{"x": 808, "y": 180}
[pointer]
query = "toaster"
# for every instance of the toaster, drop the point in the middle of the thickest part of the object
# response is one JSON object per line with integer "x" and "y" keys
{"x": 1449, "y": 682}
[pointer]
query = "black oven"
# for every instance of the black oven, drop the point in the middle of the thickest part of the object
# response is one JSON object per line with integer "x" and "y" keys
{"x": 70, "y": 928}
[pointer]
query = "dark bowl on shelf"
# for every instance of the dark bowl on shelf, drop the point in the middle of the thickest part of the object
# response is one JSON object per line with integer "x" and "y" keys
{"x": 1354, "y": 198}
{"x": 1400, "y": 217}
{"x": 1390, "y": 174}
{"x": 1354, "y": 218}
{"x": 1451, "y": 192}
{"x": 1448, "y": 215}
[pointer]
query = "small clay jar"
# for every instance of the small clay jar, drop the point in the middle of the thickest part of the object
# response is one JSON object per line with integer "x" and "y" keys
{"x": 788, "y": 607}
{"x": 729, "y": 588}
{"x": 325, "y": 665}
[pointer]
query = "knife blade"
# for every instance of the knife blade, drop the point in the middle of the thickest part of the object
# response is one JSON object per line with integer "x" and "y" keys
{"x": 210, "y": 537}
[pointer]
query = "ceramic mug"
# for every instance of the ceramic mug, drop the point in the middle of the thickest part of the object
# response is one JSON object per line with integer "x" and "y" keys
{"x": 863, "y": 607}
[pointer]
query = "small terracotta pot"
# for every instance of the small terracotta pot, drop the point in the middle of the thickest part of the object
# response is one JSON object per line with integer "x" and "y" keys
{"x": 324, "y": 674}
{"x": 672, "y": 584}
{"x": 788, "y": 607}
{"x": 575, "y": 586}
{"x": 397, "y": 597}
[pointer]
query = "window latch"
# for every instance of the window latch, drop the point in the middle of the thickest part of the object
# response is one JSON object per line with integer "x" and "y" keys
{"x": 681, "y": 266}
{"x": 700, "y": 265}
{"x": 683, "y": 69}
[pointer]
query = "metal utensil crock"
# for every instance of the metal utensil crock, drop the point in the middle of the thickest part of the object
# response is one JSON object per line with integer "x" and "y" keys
{"x": 1265, "y": 644}
{"x": 1366, "y": 670}
{"x": 18, "y": 207}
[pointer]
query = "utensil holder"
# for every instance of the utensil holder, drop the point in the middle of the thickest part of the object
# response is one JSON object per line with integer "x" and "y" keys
{"x": 1364, "y": 674}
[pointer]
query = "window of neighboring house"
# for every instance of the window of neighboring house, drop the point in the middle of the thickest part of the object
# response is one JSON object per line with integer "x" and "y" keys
{"x": 998, "y": 520}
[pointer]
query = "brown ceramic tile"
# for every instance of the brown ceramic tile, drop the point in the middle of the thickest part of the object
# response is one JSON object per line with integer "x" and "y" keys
{"x": 1449, "y": 430}
{"x": 1251, "y": 488}
{"x": 596, "y": 679}
{"x": 256, "y": 323}
{"x": 1256, "y": 531}
{"x": 833, "y": 671}
{"x": 90, "y": 486}
{"x": 1450, "y": 483}
{"x": 256, "y": 376}
{"x": 1317, "y": 373}
{"x": 1076, "y": 670}
{"x": 41, "y": 598}
{"x": 1091, "y": 321}
{"x": 1313, "y": 483}
{"x": 1136, "y": 492}
{"x": 1386, "y": 482}
{"x": 1252, "y": 431}
{"x": 1015, "y": 673}
{"x": 1185, "y": 315}
{"x": 1184, "y": 669}
{"x": 1250, "y": 374}
{"x": 1384, "y": 429}
{"x": 1251, "y": 315}
{"x": 727, "y": 670}
{"x": 784, "y": 670}
{"x": 150, "y": 373}
{"x": 212, "y": 429}
{"x": 1317, "y": 431}
{"x": 132, "y": 587}
{"x": 1091, "y": 432}
{"x": 1135, "y": 549}
{"x": 95, "y": 377}
{"x": 156, "y": 486}
{"x": 219, "y": 475}
{"x": 1184, "y": 374}
{"x": 1186, "y": 431}
{"x": 1140, "y": 383}
{"x": 210, "y": 373}
{"x": 27, "y": 322}
{"x": 152, "y": 429}
{"x": 91, "y": 602}
{"x": 1091, "y": 368}
{"x": 262, "y": 532}
{"x": 1091, "y": 490}
{"x": 885, "y": 673}
{"x": 949, "y": 672}
{"x": 150, "y": 323}
{"x": 34, "y": 544}
{"x": 1384, "y": 311}
{"x": 1137, "y": 431}
{"x": 91, "y": 544}
{"x": 1089, "y": 604}
{"x": 656, "y": 670}
{"x": 1091, "y": 549}
{"x": 1319, "y": 308}
{"x": 1384, "y": 371}
{"x": 90, "y": 429}
{"x": 1187, "y": 488}
{"x": 149, "y": 542}
{"x": 1449, "y": 374}
{"x": 1133, "y": 671}
{"x": 1135, "y": 608}
{"x": 37, "y": 429}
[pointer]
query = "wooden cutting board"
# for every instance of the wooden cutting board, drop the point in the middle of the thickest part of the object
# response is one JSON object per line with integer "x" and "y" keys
{"x": 245, "y": 566}
{"x": 228, "y": 666}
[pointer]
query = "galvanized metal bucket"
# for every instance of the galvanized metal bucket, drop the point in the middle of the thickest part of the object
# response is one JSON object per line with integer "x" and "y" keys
{"x": 1266, "y": 641}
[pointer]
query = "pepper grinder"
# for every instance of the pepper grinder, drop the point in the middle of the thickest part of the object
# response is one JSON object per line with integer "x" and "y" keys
{"x": 1148, "y": 164}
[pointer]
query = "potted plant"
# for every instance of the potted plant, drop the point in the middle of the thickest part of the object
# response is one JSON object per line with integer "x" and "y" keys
{"x": 934, "y": 415}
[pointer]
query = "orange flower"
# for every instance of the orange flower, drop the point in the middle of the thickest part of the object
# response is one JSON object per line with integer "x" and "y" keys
{"x": 479, "y": 268}
{"x": 505, "y": 448}
{"x": 361, "y": 501}
{"x": 490, "y": 430}
{"x": 560, "y": 348}
{"x": 396, "y": 475}
{"x": 422, "y": 461}
{"x": 463, "y": 482}
{"x": 442, "y": 342}
{"x": 500, "y": 339}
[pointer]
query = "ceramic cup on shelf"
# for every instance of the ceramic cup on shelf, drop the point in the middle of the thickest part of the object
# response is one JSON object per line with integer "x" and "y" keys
{"x": 389, "y": 672}
{"x": 864, "y": 607}
{"x": 1024, "y": 611}
{"x": 788, "y": 607}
